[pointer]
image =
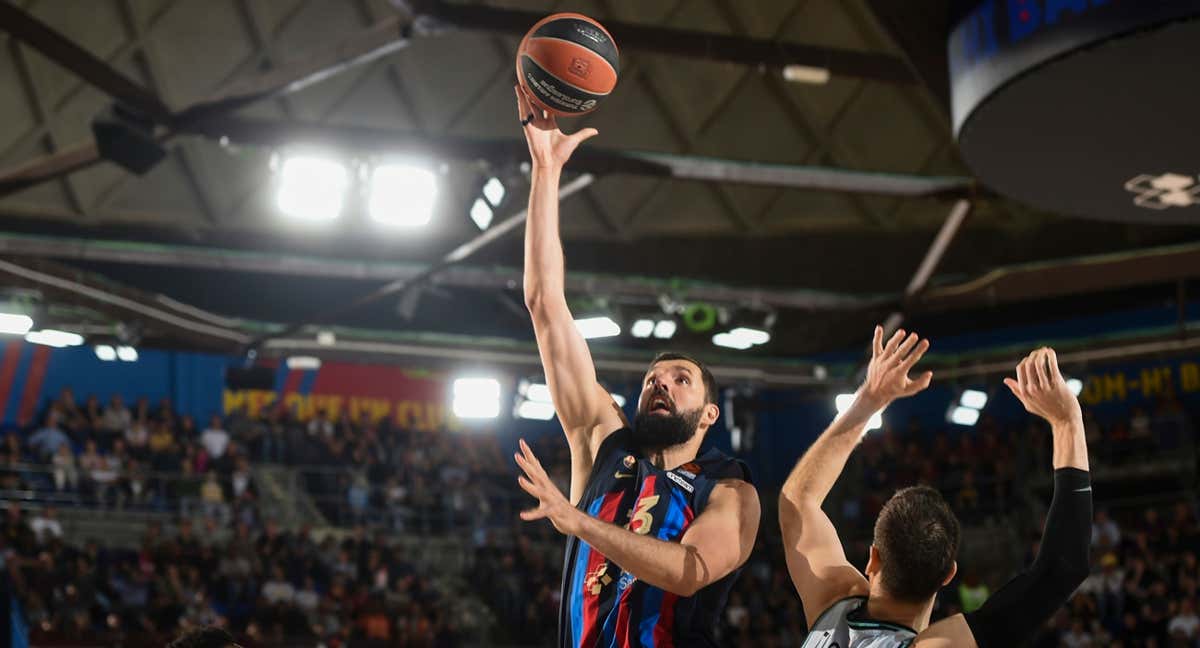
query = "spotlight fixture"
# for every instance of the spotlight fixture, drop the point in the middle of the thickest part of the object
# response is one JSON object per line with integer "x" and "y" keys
{"x": 476, "y": 398}
{"x": 312, "y": 188}
{"x": 402, "y": 194}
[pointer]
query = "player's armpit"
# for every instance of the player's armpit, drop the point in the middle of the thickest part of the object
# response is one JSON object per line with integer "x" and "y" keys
{"x": 721, "y": 538}
{"x": 951, "y": 632}
{"x": 815, "y": 559}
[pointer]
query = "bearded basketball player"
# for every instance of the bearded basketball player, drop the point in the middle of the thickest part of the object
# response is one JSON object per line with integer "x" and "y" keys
{"x": 656, "y": 530}
{"x": 916, "y": 535}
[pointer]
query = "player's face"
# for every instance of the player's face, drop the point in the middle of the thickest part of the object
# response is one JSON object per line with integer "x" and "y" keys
{"x": 670, "y": 407}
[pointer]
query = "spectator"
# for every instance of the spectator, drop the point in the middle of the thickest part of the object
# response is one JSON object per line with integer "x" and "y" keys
{"x": 45, "y": 525}
{"x": 46, "y": 441}
{"x": 278, "y": 589}
{"x": 116, "y": 417}
{"x": 320, "y": 427}
{"x": 215, "y": 439}
{"x": 66, "y": 472}
{"x": 1105, "y": 532}
{"x": 1185, "y": 625}
{"x": 972, "y": 593}
{"x": 242, "y": 480}
{"x": 212, "y": 495}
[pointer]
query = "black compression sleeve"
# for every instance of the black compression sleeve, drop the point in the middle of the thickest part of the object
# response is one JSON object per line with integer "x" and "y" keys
{"x": 1017, "y": 610}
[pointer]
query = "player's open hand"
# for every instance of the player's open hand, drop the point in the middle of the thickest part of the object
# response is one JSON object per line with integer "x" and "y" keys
{"x": 552, "y": 504}
{"x": 548, "y": 146}
{"x": 887, "y": 375}
{"x": 1041, "y": 389}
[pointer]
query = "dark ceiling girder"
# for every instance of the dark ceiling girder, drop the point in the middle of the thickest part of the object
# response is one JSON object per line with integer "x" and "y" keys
{"x": 920, "y": 28}
{"x": 360, "y": 139}
{"x": 87, "y": 66}
{"x": 755, "y": 52}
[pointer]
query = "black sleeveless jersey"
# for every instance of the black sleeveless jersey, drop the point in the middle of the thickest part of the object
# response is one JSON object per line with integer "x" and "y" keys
{"x": 606, "y": 606}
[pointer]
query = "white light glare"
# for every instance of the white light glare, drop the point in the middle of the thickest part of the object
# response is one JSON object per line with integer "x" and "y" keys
{"x": 964, "y": 416}
{"x": 535, "y": 410}
{"x": 125, "y": 353}
{"x": 312, "y": 188}
{"x": 618, "y": 399}
{"x": 477, "y": 398}
{"x": 303, "y": 363}
{"x": 842, "y": 402}
{"x": 402, "y": 194}
{"x": 665, "y": 329}
{"x": 974, "y": 399}
{"x": 1075, "y": 385}
{"x": 741, "y": 338}
{"x": 537, "y": 392}
{"x": 806, "y": 74}
{"x": 14, "y": 324}
{"x": 494, "y": 191}
{"x": 106, "y": 352}
{"x": 53, "y": 338}
{"x": 642, "y": 328}
{"x": 481, "y": 214}
{"x": 326, "y": 338}
{"x": 597, "y": 327}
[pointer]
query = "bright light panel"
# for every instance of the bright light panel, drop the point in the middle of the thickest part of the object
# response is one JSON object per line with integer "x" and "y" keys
{"x": 125, "y": 353}
{"x": 597, "y": 327}
{"x": 974, "y": 399}
{"x": 106, "y": 352}
{"x": 53, "y": 338}
{"x": 477, "y": 398}
{"x": 753, "y": 336}
{"x": 665, "y": 329}
{"x": 618, "y": 399}
{"x": 326, "y": 338}
{"x": 842, "y": 402}
{"x": 731, "y": 341}
{"x": 303, "y": 363}
{"x": 642, "y": 328}
{"x": 312, "y": 188}
{"x": 534, "y": 410}
{"x": 1075, "y": 385}
{"x": 402, "y": 194}
{"x": 538, "y": 393}
{"x": 14, "y": 324}
{"x": 964, "y": 416}
{"x": 481, "y": 214}
{"x": 493, "y": 190}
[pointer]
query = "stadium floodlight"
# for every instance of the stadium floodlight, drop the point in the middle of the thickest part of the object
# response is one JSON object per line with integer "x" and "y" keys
{"x": 481, "y": 213}
{"x": 326, "y": 338}
{"x": 742, "y": 338}
{"x": 312, "y": 188}
{"x": 597, "y": 327}
{"x": 494, "y": 191}
{"x": 664, "y": 329}
{"x": 106, "y": 352}
{"x": 536, "y": 392}
{"x": 618, "y": 399}
{"x": 476, "y": 398}
{"x": 535, "y": 410}
{"x": 402, "y": 194}
{"x": 963, "y": 416}
{"x": 54, "y": 338}
{"x": 126, "y": 353}
{"x": 731, "y": 341}
{"x": 1075, "y": 385}
{"x": 303, "y": 363}
{"x": 642, "y": 328}
{"x": 14, "y": 324}
{"x": 842, "y": 402}
{"x": 974, "y": 399}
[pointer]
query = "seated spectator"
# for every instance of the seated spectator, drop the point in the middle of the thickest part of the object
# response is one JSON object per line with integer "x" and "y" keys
{"x": 45, "y": 525}
{"x": 242, "y": 480}
{"x": 66, "y": 472}
{"x": 215, "y": 439}
{"x": 1105, "y": 532}
{"x": 137, "y": 438}
{"x": 278, "y": 589}
{"x": 46, "y": 441}
{"x": 116, "y": 417}
{"x": 1185, "y": 625}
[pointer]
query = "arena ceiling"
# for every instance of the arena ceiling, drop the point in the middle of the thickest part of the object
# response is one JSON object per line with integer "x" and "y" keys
{"x": 200, "y": 227}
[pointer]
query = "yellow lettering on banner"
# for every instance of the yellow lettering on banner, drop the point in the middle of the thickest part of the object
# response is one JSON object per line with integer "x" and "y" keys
{"x": 1093, "y": 391}
{"x": 257, "y": 400}
{"x": 1155, "y": 381}
{"x": 1189, "y": 376}
{"x": 297, "y": 404}
{"x": 379, "y": 409}
{"x": 1115, "y": 387}
{"x": 234, "y": 400}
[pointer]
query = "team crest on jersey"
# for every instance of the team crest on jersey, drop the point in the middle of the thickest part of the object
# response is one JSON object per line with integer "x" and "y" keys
{"x": 630, "y": 461}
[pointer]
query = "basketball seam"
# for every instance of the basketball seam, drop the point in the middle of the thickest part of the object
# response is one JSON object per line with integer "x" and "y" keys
{"x": 583, "y": 90}
{"x": 616, "y": 73}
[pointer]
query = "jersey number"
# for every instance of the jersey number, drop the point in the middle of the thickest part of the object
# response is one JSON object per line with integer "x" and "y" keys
{"x": 640, "y": 521}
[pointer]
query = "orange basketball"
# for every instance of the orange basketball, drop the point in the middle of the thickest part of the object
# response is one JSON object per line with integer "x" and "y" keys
{"x": 568, "y": 63}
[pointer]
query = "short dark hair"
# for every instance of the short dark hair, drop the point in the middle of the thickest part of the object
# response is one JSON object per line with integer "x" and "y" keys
{"x": 916, "y": 536}
{"x": 710, "y": 383}
{"x": 208, "y": 637}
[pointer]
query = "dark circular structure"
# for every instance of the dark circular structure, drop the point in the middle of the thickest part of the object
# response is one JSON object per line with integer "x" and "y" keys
{"x": 1084, "y": 107}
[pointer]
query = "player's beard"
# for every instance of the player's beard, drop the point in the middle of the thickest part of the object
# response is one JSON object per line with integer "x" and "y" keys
{"x": 655, "y": 432}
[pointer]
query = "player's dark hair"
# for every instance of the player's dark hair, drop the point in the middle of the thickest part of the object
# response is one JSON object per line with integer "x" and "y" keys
{"x": 208, "y": 637}
{"x": 916, "y": 536}
{"x": 710, "y": 383}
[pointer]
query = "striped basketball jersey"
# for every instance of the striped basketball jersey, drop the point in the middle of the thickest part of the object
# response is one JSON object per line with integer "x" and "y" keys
{"x": 606, "y": 606}
{"x": 845, "y": 625}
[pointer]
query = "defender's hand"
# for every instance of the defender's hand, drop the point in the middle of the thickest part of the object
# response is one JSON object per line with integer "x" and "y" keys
{"x": 548, "y": 146}
{"x": 887, "y": 375}
{"x": 1042, "y": 390}
{"x": 552, "y": 504}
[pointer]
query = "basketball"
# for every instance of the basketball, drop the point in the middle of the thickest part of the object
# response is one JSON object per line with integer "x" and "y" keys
{"x": 568, "y": 63}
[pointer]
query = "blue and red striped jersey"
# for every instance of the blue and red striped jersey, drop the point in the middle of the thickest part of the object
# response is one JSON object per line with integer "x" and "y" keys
{"x": 606, "y": 606}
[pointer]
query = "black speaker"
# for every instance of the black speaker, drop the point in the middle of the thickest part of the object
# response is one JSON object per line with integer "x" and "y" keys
{"x": 125, "y": 136}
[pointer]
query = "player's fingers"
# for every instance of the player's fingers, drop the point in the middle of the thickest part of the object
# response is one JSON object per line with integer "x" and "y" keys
{"x": 527, "y": 486}
{"x": 1052, "y": 361}
{"x": 1041, "y": 370}
{"x": 584, "y": 135}
{"x": 919, "y": 384}
{"x": 895, "y": 341}
{"x": 532, "y": 458}
{"x": 1023, "y": 375}
{"x": 533, "y": 514}
{"x": 916, "y": 355}
{"x": 1014, "y": 387}
{"x": 877, "y": 342}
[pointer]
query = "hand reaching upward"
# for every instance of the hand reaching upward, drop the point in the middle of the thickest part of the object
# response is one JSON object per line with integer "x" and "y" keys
{"x": 887, "y": 375}
{"x": 549, "y": 147}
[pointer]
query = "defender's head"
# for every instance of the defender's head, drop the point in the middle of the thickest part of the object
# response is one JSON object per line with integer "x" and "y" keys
{"x": 678, "y": 399}
{"x": 916, "y": 540}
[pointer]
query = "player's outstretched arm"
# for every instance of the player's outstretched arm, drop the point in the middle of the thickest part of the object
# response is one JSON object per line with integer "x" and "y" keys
{"x": 814, "y": 554}
{"x": 1025, "y": 603}
{"x": 717, "y": 542}
{"x": 584, "y": 408}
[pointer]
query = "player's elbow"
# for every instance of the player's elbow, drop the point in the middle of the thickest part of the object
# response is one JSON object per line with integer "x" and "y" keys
{"x": 792, "y": 509}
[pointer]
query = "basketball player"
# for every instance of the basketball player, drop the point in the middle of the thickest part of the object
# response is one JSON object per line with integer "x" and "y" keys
{"x": 916, "y": 535}
{"x": 656, "y": 530}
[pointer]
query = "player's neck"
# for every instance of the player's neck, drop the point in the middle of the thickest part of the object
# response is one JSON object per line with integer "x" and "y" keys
{"x": 912, "y": 615}
{"x": 675, "y": 456}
